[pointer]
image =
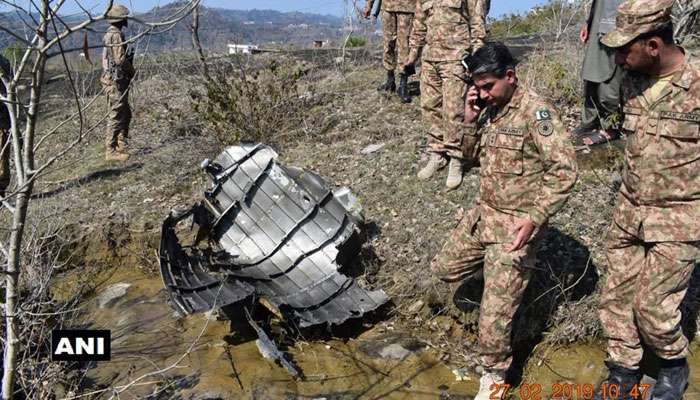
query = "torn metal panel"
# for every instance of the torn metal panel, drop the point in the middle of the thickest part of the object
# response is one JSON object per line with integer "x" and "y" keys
{"x": 284, "y": 232}
{"x": 192, "y": 287}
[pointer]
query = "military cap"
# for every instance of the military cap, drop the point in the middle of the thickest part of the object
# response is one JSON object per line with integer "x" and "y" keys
{"x": 117, "y": 13}
{"x": 637, "y": 17}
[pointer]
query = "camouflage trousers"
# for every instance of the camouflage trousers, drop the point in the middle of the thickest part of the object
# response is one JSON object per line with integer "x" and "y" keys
{"x": 396, "y": 29}
{"x": 442, "y": 103}
{"x": 119, "y": 115}
{"x": 506, "y": 276}
{"x": 645, "y": 283}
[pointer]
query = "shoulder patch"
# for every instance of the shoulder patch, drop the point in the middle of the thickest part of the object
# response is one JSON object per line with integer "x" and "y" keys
{"x": 545, "y": 128}
{"x": 543, "y": 114}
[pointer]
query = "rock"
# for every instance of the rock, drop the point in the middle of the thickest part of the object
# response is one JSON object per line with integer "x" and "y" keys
{"x": 394, "y": 351}
{"x": 416, "y": 307}
{"x": 372, "y": 148}
{"x": 111, "y": 294}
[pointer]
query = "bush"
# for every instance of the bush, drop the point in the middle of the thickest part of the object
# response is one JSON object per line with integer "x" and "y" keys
{"x": 355, "y": 42}
{"x": 256, "y": 103}
{"x": 555, "y": 72}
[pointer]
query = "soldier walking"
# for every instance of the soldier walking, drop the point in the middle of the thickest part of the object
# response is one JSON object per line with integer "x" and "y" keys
{"x": 118, "y": 70}
{"x": 397, "y": 19}
{"x": 654, "y": 242}
{"x": 445, "y": 31}
{"x": 528, "y": 169}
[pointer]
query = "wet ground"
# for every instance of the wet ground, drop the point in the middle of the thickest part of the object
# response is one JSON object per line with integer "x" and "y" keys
{"x": 158, "y": 354}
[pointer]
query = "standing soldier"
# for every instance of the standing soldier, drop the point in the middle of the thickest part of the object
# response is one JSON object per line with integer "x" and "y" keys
{"x": 446, "y": 31}
{"x": 118, "y": 70}
{"x": 601, "y": 76}
{"x": 654, "y": 242}
{"x": 528, "y": 169}
{"x": 397, "y": 18}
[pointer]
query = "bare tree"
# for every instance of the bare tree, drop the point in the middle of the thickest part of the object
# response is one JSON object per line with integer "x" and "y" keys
{"x": 44, "y": 36}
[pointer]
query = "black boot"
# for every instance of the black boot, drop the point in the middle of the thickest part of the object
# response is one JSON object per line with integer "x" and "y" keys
{"x": 389, "y": 85}
{"x": 621, "y": 381}
{"x": 672, "y": 380}
{"x": 403, "y": 89}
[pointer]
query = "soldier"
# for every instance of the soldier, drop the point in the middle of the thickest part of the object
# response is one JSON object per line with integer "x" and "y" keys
{"x": 528, "y": 169}
{"x": 601, "y": 77}
{"x": 118, "y": 70}
{"x": 397, "y": 18}
{"x": 654, "y": 241}
{"x": 4, "y": 130}
{"x": 445, "y": 31}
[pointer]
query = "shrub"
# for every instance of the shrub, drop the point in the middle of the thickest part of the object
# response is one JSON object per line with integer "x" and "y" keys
{"x": 255, "y": 103}
{"x": 354, "y": 41}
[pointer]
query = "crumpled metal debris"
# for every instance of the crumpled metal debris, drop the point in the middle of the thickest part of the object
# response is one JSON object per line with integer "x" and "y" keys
{"x": 280, "y": 233}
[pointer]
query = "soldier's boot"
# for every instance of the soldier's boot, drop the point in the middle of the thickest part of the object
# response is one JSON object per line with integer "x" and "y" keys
{"x": 622, "y": 380}
{"x": 491, "y": 386}
{"x": 435, "y": 163}
{"x": 390, "y": 84}
{"x": 672, "y": 380}
{"x": 454, "y": 173}
{"x": 113, "y": 154}
{"x": 403, "y": 89}
{"x": 123, "y": 146}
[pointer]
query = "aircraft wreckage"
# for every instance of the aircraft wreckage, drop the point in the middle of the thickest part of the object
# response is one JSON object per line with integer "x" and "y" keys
{"x": 279, "y": 233}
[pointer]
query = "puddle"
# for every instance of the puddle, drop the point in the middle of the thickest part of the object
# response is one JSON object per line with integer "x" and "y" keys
{"x": 197, "y": 357}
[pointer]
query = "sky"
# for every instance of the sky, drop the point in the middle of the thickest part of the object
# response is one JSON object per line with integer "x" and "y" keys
{"x": 333, "y": 7}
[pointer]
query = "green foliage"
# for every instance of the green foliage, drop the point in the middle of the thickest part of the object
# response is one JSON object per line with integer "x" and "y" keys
{"x": 544, "y": 19}
{"x": 252, "y": 105}
{"x": 14, "y": 52}
{"x": 354, "y": 41}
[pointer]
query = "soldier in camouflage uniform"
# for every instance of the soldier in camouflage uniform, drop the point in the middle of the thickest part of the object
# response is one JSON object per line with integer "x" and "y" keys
{"x": 528, "y": 169}
{"x": 446, "y": 31}
{"x": 4, "y": 130}
{"x": 654, "y": 241}
{"x": 118, "y": 71}
{"x": 397, "y": 19}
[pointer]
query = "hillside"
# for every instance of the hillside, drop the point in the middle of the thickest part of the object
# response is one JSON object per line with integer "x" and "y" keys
{"x": 218, "y": 27}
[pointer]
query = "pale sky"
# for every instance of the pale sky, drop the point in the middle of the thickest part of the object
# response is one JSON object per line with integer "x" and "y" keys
{"x": 334, "y": 7}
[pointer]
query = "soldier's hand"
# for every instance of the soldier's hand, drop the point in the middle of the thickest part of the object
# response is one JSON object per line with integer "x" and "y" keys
{"x": 583, "y": 34}
{"x": 524, "y": 228}
{"x": 471, "y": 109}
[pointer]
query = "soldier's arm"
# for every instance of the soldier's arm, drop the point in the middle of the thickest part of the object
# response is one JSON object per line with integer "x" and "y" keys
{"x": 559, "y": 159}
{"x": 419, "y": 32}
{"x": 477, "y": 21}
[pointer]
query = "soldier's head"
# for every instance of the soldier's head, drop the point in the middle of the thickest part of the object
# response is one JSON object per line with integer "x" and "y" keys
{"x": 492, "y": 68}
{"x": 643, "y": 33}
{"x": 118, "y": 15}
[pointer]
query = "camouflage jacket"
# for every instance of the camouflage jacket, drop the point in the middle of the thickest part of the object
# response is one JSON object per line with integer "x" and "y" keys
{"x": 448, "y": 29}
{"x": 115, "y": 53}
{"x": 404, "y": 6}
{"x": 659, "y": 198}
{"x": 528, "y": 164}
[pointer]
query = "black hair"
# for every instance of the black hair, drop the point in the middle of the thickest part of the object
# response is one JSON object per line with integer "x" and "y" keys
{"x": 665, "y": 33}
{"x": 492, "y": 57}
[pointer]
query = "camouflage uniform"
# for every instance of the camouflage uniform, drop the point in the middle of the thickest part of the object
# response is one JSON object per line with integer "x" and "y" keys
{"x": 397, "y": 19}
{"x": 654, "y": 241}
{"x": 528, "y": 168}
{"x": 116, "y": 81}
{"x": 449, "y": 30}
{"x": 4, "y": 130}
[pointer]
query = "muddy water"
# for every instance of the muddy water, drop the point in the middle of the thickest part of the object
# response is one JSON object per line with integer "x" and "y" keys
{"x": 199, "y": 357}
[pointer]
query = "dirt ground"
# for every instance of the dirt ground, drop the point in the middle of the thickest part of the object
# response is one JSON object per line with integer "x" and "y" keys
{"x": 113, "y": 211}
